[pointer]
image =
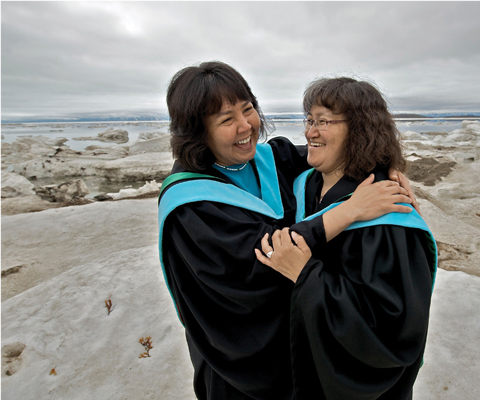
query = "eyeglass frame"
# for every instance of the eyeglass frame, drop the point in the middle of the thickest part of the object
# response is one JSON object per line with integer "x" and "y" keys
{"x": 317, "y": 124}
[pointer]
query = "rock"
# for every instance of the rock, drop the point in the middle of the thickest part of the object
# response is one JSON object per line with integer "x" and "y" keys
{"x": 40, "y": 157}
{"x": 470, "y": 131}
{"x": 111, "y": 152}
{"x": 26, "y": 204}
{"x": 14, "y": 185}
{"x": 459, "y": 135}
{"x": 417, "y": 145}
{"x": 155, "y": 145}
{"x": 428, "y": 170}
{"x": 60, "y": 141}
{"x": 146, "y": 167}
{"x": 64, "y": 151}
{"x": 27, "y": 148}
{"x": 11, "y": 270}
{"x": 64, "y": 192}
{"x": 77, "y": 201}
{"x": 444, "y": 141}
{"x": 55, "y": 167}
{"x": 411, "y": 135}
{"x": 97, "y": 125}
{"x": 114, "y": 135}
{"x": 110, "y": 163}
{"x": 471, "y": 127}
{"x": 433, "y": 133}
{"x": 149, "y": 188}
{"x": 103, "y": 197}
{"x": 151, "y": 135}
{"x": 11, "y": 358}
{"x": 465, "y": 156}
{"x": 109, "y": 135}
{"x": 32, "y": 144}
{"x": 80, "y": 138}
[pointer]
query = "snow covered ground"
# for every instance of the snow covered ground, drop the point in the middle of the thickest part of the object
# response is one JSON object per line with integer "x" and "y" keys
{"x": 108, "y": 251}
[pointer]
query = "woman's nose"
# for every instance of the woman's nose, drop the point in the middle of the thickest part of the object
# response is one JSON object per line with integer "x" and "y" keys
{"x": 312, "y": 131}
{"x": 243, "y": 124}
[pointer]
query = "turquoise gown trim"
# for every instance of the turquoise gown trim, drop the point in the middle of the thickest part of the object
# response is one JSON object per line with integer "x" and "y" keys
{"x": 410, "y": 220}
{"x": 190, "y": 191}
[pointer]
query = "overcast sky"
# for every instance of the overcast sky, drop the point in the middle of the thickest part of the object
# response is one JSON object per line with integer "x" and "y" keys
{"x": 72, "y": 58}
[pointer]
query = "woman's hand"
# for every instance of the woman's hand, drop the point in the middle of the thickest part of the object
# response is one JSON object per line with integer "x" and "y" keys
{"x": 369, "y": 201}
{"x": 372, "y": 200}
{"x": 397, "y": 176}
{"x": 286, "y": 257}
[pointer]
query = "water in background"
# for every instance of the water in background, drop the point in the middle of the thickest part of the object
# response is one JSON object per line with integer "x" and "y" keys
{"x": 292, "y": 129}
{"x": 295, "y": 132}
{"x": 96, "y": 185}
{"x": 10, "y": 132}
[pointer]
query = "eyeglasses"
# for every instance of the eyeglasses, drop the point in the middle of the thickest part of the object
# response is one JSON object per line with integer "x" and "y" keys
{"x": 321, "y": 124}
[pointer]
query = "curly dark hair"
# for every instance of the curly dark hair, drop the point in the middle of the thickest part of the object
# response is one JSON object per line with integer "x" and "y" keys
{"x": 194, "y": 94}
{"x": 373, "y": 138}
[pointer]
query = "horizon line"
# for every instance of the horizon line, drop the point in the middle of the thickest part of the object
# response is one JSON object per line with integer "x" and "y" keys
{"x": 279, "y": 115}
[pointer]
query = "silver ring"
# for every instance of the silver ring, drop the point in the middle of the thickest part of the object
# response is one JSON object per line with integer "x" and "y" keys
{"x": 269, "y": 254}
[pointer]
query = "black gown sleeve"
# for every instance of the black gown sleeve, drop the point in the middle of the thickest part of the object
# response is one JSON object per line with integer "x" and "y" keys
{"x": 360, "y": 316}
{"x": 313, "y": 231}
{"x": 235, "y": 309}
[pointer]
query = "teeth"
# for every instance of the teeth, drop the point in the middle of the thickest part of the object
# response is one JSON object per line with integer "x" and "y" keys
{"x": 244, "y": 141}
{"x": 317, "y": 144}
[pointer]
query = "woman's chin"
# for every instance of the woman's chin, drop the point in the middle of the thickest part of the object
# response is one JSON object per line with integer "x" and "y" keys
{"x": 247, "y": 151}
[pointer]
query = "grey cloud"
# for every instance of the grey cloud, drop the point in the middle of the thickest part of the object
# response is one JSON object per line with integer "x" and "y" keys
{"x": 68, "y": 57}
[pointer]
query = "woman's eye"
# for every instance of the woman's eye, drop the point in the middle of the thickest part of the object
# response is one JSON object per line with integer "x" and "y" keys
{"x": 227, "y": 121}
{"x": 248, "y": 109}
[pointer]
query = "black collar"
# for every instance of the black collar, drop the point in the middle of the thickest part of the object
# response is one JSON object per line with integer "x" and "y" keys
{"x": 344, "y": 187}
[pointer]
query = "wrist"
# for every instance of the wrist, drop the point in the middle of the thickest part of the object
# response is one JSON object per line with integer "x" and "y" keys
{"x": 349, "y": 212}
{"x": 336, "y": 220}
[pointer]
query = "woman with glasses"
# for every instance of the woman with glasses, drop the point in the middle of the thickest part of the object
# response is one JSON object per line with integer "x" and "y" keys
{"x": 360, "y": 304}
{"x": 225, "y": 192}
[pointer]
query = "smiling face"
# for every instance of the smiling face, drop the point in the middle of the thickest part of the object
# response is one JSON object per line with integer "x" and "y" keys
{"x": 233, "y": 133}
{"x": 325, "y": 147}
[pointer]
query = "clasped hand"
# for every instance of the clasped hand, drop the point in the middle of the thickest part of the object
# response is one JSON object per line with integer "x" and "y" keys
{"x": 370, "y": 200}
{"x": 290, "y": 253}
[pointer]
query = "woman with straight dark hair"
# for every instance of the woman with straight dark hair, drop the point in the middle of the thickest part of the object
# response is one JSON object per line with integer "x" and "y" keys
{"x": 360, "y": 305}
{"x": 225, "y": 192}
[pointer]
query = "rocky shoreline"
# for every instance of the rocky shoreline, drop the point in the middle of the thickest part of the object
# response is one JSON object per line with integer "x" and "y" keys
{"x": 32, "y": 158}
{"x": 444, "y": 169}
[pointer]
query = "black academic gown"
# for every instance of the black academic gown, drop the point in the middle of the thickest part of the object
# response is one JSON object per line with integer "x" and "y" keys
{"x": 360, "y": 308}
{"x": 234, "y": 308}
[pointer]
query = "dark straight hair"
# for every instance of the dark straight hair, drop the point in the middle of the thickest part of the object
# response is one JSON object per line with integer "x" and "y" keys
{"x": 373, "y": 138}
{"x": 194, "y": 94}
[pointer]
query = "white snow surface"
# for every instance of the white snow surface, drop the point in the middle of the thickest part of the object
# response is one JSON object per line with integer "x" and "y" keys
{"x": 64, "y": 324}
